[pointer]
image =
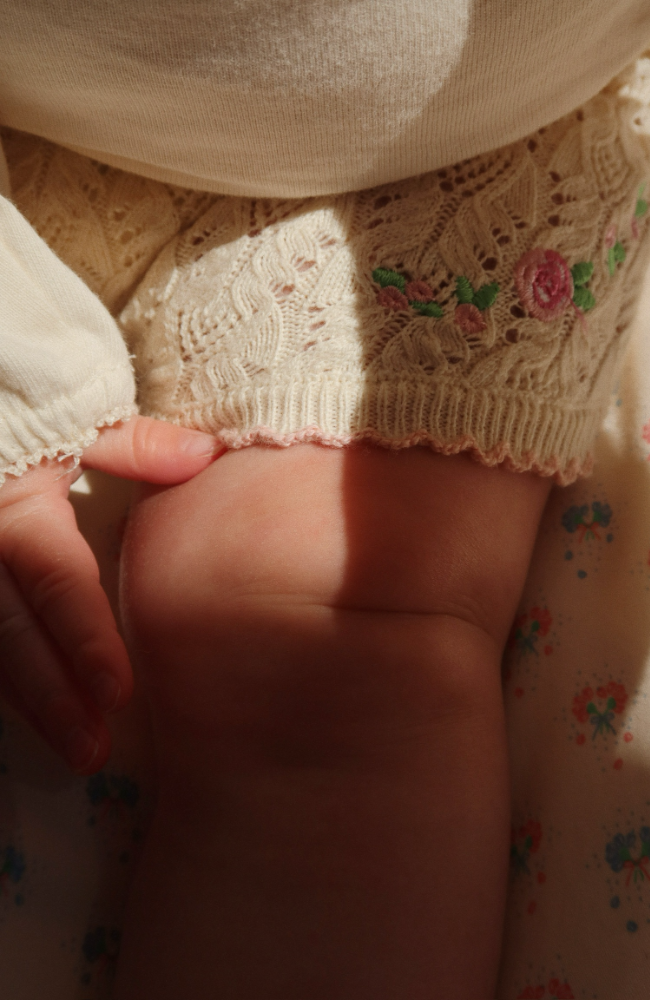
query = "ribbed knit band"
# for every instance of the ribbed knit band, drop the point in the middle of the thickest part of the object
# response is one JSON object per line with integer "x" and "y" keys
{"x": 520, "y": 430}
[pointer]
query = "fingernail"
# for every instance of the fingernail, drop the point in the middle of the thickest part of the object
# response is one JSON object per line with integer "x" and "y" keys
{"x": 80, "y": 749}
{"x": 106, "y": 691}
{"x": 203, "y": 445}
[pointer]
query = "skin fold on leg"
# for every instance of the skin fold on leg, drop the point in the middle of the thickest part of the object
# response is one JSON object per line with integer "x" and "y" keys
{"x": 319, "y": 634}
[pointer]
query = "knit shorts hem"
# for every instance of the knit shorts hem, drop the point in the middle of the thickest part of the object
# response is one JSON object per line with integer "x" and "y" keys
{"x": 521, "y": 431}
{"x": 499, "y": 455}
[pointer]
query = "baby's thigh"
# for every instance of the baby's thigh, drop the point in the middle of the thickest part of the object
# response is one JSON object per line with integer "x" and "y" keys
{"x": 283, "y": 596}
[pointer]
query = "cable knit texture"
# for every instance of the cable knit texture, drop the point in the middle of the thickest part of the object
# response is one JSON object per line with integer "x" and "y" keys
{"x": 481, "y": 307}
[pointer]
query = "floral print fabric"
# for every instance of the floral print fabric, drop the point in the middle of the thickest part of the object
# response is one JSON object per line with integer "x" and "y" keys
{"x": 577, "y": 689}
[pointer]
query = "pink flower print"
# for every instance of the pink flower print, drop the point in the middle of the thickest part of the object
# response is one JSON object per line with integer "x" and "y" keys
{"x": 101, "y": 945}
{"x": 543, "y": 618}
{"x": 544, "y": 282}
{"x": 599, "y": 708}
{"x": 469, "y": 318}
{"x": 615, "y": 691}
{"x": 580, "y": 702}
{"x": 618, "y": 855}
{"x": 391, "y": 298}
{"x": 419, "y": 291}
{"x": 575, "y": 519}
{"x": 560, "y": 991}
{"x": 527, "y": 628}
{"x": 556, "y": 991}
{"x": 532, "y": 830}
{"x": 524, "y": 842}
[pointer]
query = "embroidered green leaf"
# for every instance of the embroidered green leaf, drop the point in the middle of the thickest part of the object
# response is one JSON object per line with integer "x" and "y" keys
{"x": 591, "y": 708}
{"x": 611, "y": 262}
{"x": 641, "y": 205}
{"x": 486, "y": 296}
{"x": 387, "y": 278}
{"x": 428, "y": 309}
{"x": 464, "y": 290}
{"x": 584, "y": 299}
{"x": 581, "y": 273}
{"x": 616, "y": 255}
{"x": 611, "y": 704}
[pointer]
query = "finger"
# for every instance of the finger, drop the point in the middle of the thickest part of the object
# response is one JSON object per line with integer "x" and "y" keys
{"x": 58, "y": 577}
{"x": 152, "y": 450}
{"x": 34, "y": 680}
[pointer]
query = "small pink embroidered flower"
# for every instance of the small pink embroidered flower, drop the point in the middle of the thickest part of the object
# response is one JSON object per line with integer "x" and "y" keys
{"x": 419, "y": 291}
{"x": 544, "y": 283}
{"x": 391, "y": 298}
{"x": 610, "y": 236}
{"x": 469, "y": 318}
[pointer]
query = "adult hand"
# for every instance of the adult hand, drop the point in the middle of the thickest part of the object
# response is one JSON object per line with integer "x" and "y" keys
{"x": 63, "y": 663}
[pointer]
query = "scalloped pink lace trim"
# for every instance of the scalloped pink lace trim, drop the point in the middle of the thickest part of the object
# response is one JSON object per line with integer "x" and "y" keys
{"x": 563, "y": 473}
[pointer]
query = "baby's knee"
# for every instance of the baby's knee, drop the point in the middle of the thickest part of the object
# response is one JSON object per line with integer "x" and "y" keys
{"x": 276, "y": 685}
{"x": 301, "y": 695}
{"x": 277, "y": 612}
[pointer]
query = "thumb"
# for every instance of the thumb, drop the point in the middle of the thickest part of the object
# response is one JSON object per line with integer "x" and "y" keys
{"x": 151, "y": 450}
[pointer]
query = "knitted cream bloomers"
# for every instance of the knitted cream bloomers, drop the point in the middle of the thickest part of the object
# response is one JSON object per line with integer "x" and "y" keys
{"x": 483, "y": 307}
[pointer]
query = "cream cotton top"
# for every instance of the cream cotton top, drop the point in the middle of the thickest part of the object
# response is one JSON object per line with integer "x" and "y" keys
{"x": 295, "y": 100}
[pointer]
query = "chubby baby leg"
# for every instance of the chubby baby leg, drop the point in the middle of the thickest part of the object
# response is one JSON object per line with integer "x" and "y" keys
{"x": 319, "y": 632}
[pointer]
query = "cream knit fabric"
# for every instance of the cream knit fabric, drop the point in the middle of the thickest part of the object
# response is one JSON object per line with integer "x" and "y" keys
{"x": 260, "y": 320}
{"x": 64, "y": 369}
{"x": 483, "y": 306}
{"x": 295, "y": 98}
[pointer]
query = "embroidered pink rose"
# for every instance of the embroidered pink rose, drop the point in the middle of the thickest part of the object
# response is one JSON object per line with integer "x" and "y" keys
{"x": 469, "y": 318}
{"x": 418, "y": 291}
{"x": 391, "y": 298}
{"x": 544, "y": 282}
